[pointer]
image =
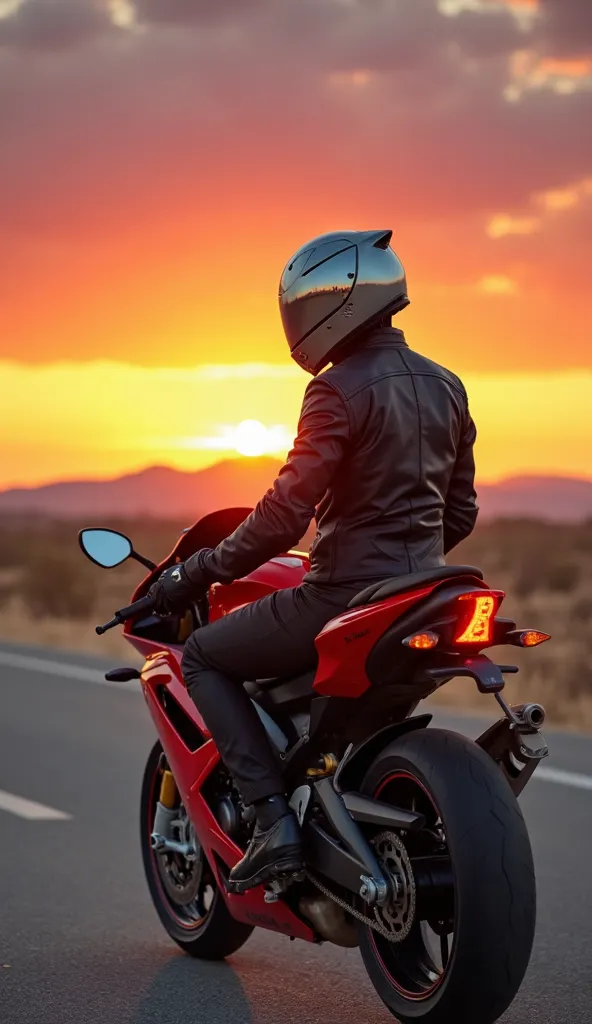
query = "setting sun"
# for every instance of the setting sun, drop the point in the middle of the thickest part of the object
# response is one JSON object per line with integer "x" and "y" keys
{"x": 253, "y": 438}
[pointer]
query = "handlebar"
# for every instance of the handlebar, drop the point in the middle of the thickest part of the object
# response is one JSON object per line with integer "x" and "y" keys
{"x": 145, "y": 604}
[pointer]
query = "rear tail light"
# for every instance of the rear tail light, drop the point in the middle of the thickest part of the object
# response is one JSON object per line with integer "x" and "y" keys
{"x": 476, "y": 619}
{"x": 422, "y": 641}
{"x": 527, "y": 637}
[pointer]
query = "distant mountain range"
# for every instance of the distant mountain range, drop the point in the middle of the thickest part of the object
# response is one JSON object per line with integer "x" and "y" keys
{"x": 169, "y": 493}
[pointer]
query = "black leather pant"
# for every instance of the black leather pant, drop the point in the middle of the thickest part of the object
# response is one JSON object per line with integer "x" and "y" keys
{"x": 271, "y": 637}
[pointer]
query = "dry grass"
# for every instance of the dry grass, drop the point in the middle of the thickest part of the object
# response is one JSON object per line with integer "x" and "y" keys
{"x": 18, "y": 626}
{"x": 546, "y": 571}
{"x": 50, "y": 595}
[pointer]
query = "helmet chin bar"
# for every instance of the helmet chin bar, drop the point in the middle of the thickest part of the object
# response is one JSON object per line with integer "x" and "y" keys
{"x": 352, "y": 341}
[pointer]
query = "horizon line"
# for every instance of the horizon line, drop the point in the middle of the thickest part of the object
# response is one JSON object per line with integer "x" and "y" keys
{"x": 245, "y": 460}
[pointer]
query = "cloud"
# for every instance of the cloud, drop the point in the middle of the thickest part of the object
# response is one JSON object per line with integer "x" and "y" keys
{"x": 138, "y": 165}
{"x": 505, "y": 224}
{"x": 549, "y": 204}
{"x": 187, "y": 12}
{"x": 565, "y": 198}
{"x": 122, "y": 13}
{"x": 47, "y": 25}
{"x": 532, "y": 72}
{"x": 566, "y": 26}
{"x": 497, "y": 284}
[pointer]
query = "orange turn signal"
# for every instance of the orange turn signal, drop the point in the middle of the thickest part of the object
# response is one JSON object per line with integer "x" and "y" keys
{"x": 422, "y": 641}
{"x": 532, "y": 638}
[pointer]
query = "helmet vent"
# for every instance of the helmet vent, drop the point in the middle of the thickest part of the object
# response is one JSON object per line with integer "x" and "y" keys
{"x": 383, "y": 240}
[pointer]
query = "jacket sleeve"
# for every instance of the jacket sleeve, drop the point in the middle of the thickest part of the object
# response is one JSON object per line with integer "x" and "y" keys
{"x": 460, "y": 512}
{"x": 284, "y": 513}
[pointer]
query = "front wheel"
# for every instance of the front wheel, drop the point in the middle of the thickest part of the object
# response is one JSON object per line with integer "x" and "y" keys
{"x": 184, "y": 891}
{"x": 460, "y": 944}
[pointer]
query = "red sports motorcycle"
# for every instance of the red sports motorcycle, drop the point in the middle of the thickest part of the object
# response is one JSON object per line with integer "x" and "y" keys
{"x": 415, "y": 847}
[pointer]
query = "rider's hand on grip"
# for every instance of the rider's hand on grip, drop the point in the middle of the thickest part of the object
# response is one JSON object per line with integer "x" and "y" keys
{"x": 174, "y": 591}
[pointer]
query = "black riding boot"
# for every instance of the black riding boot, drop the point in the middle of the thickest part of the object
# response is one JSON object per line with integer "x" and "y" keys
{"x": 272, "y": 853}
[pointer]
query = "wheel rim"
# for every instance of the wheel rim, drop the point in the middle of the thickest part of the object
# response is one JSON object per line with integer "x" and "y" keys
{"x": 417, "y": 966}
{"x": 187, "y": 886}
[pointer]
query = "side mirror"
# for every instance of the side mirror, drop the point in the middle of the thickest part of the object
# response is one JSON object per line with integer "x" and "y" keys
{"x": 105, "y": 547}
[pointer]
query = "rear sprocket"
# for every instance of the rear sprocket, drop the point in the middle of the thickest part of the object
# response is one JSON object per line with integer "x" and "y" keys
{"x": 397, "y": 916}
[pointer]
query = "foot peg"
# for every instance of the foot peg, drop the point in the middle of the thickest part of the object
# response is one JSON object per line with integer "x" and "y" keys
{"x": 275, "y": 888}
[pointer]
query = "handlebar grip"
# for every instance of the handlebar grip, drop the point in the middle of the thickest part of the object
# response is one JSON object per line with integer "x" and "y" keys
{"x": 145, "y": 604}
{"x": 108, "y": 625}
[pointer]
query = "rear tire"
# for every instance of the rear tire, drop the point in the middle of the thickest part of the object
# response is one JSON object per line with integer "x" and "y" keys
{"x": 494, "y": 897}
{"x": 212, "y": 935}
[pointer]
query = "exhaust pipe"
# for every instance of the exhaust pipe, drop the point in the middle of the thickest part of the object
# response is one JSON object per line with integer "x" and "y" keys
{"x": 530, "y": 715}
{"x": 329, "y": 920}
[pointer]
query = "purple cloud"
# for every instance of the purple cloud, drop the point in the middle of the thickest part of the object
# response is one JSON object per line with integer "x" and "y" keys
{"x": 352, "y": 111}
{"x": 46, "y": 25}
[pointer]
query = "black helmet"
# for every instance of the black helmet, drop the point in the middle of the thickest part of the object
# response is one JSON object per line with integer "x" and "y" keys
{"x": 333, "y": 288}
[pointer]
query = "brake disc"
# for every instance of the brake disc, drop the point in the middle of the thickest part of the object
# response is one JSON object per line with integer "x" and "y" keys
{"x": 180, "y": 877}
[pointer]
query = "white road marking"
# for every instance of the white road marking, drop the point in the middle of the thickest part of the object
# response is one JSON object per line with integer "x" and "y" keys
{"x": 573, "y": 779}
{"x": 30, "y": 810}
{"x": 66, "y": 671}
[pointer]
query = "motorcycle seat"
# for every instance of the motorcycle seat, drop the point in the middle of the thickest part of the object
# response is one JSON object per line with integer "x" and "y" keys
{"x": 284, "y": 690}
{"x": 411, "y": 581}
{"x": 295, "y": 682}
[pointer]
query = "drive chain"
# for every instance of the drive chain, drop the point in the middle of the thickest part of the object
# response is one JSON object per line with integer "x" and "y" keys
{"x": 375, "y": 925}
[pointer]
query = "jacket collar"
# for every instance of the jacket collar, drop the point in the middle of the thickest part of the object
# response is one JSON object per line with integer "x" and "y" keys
{"x": 384, "y": 337}
{"x": 391, "y": 335}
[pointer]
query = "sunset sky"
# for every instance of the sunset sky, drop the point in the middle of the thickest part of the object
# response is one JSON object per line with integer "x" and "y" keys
{"x": 160, "y": 160}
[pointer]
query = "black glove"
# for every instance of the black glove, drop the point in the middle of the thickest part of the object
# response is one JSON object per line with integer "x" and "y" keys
{"x": 176, "y": 589}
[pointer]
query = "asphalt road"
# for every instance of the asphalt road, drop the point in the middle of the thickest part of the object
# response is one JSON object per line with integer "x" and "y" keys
{"x": 80, "y": 942}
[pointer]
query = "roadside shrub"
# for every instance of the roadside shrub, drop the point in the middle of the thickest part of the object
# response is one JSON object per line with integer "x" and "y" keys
{"x": 582, "y": 610}
{"x": 11, "y": 553}
{"x": 545, "y": 570}
{"x": 563, "y": 576}
{"x": 57, "y": 587}
{"x": 527, "y": 579}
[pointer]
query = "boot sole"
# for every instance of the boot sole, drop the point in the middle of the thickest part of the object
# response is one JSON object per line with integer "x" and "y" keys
{"x": 289, "y": 865}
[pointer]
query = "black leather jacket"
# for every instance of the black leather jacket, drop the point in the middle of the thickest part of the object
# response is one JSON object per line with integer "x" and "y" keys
{"x": 384, "y": 453}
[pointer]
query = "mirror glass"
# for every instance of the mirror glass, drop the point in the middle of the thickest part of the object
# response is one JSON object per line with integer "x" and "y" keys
{"x": 105, "y": 547}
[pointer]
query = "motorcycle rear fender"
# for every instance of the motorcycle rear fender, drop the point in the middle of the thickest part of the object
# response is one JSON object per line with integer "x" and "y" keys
{"x": 357, "y": 760}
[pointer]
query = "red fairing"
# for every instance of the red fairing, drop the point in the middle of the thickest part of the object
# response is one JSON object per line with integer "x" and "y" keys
{"x": 279, "y": 573}
{"x": 345, "y": 643}
{"x": 191, "y": 768}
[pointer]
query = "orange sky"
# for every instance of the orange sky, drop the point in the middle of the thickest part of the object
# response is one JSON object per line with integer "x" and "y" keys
{"x": 160, "y": 163}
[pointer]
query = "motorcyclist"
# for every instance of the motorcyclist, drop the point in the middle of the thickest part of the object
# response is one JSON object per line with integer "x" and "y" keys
{"x": 383, "y": 460}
